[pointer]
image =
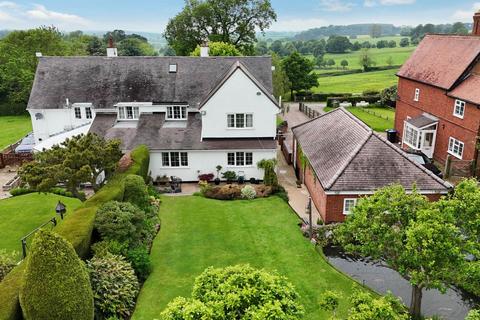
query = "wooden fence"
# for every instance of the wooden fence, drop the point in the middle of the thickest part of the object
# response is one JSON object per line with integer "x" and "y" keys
{"x": 9, "y": 159}
{"x": 309, "y": 112}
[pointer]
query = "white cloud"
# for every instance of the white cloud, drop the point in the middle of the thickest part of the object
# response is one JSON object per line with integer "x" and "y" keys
{"x": 369, "y": 3}
{"x": 373, "y": 3}
{"x": 8, "y": 4}
{"x": 42, "y": 13}
{"x": 336, "y": 5}
{"x": 466, "y": 15}
{"x": 297, "y": 24}
{"x": 5, "y": 17}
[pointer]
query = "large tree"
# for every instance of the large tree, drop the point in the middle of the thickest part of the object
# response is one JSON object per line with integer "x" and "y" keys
{"x": 338, "y": 44}
{"x": 231, "y": 21}
{"x": 406, "y": 232}
{"x": 299, "y": 72}
{"x": 218, "y": 49}
{"x": 280, "y": 81}
{"x": 77, "y": 160}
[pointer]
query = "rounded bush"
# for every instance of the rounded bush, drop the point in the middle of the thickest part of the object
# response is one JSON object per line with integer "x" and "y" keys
{"x": 8, "y": 261}
{"x": 114, "y": 285}
{"x": 136, "y": 191}
{"x": 140, "y": 260}
{"x": 55, "y": 282}
{"x": 105, "y": 247}
{"x": 248, "y": 192}
{"x": 120, "y": 221}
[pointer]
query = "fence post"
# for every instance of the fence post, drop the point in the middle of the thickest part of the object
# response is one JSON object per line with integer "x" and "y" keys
{"x": 448, "y": 167}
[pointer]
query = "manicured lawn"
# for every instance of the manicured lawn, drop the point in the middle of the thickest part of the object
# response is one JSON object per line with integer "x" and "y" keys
{"x": 198, "y": 232}
{"x": 13, "y": 128}
{"x": 379, "y": 119}
{"x": 20, "y": 215}
{"x": 357, "y": 83}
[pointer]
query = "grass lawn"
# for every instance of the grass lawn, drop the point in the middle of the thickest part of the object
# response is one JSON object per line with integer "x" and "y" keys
{"x": 197, "y": 233}
{"x": 375, "y": 118}
{"x": 13, "y": 129}
{"x": 20, "y": 215}
{"x": 357, "y": 83}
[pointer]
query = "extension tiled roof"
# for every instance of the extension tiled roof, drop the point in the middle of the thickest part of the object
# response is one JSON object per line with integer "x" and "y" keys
{"x": 440, "y": 60}
{"x": 468, "y": 90}
{"x": 105, "y": 81}
{"x": 152, "y": 131}
{"x": 346, "y": 155}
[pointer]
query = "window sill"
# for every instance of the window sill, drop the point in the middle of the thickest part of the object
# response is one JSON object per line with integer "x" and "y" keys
{"x": 455, "y": 155}
{"x": 252, "y": 128}
{"x": 240, "y": 167}
{"x": 458, "y": 116}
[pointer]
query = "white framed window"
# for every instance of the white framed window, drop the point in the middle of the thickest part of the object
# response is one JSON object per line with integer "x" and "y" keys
{"x": 455, "y": 147}
{"x": 348, "y": 205}
{"x": 78, "y": 113}
{"x": 128, "y": 113}
{"x": 172, "y": 68}
{"x": 411, "y": 137}
{"x": 88, "y": 112}
{"x": 240, "y": 120}
{"x": 240, "y": 159}
{"x": 459, "y": 109}
{"x": 177, "y": 113}
{"x": 174, "y": 159}
{"x": 417, "y": 95}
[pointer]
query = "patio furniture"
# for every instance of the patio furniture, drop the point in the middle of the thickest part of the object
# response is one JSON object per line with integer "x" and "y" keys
{"x": 345, "y": 104}
{"x": 363, "y": 104}
{"x": 176, "y": 184}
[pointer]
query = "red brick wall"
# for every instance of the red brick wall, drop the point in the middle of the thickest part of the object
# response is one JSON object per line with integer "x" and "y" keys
{"x": 436, "y": 102}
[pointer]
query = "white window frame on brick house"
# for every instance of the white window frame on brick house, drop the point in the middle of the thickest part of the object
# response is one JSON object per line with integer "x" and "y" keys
{"x": 349, "y": 206}
{"x": 240, "y": 120}
{"x": 455, "y": 147}
{"x": 416, "y": 97}
{"x": 411, "y": 136}
{"x": 175, "y": 159}
{"x": 240, "y": 159}
{"x": 78, "y": 112}
{"x": 177, "y": 113}
{"x": 459, "y": 108}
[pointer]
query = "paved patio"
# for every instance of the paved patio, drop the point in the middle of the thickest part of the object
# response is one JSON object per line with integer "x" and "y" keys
{"x": 6, "y": 174}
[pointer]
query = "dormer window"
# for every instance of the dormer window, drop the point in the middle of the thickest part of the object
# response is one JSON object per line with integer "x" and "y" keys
{"x": 172, "y": 68}
{"x": 78, "y": 113}
{"x": 177, "y": 113}
{"x": 128, "y": 113}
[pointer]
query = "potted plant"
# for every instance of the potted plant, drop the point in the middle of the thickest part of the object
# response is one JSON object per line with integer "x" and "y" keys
{"x": 217, "y": 179}
{"x": 229, "y": 176}
{"x": 253, "y": 181}
{"x": 206, "y": 177}
{"x": 163, "y": 180}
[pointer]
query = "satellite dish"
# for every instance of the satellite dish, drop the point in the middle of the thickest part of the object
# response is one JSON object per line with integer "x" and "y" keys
{"x": 38, "y": 116}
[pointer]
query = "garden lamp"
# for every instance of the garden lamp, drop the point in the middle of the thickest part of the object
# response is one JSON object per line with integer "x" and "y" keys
{"x": 60, "y": 209}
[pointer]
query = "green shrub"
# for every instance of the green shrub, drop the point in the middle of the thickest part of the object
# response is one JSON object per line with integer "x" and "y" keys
{"x": 56, "y": 284}
{"x": 20, "y": 191}
{"x": 248, "y": 192}
{"x": 140, "y": 261}
{"x": 269, "y": 175}
{"x": 229, "y": 175}
{"x": 114, "y": 285}
{"x": 473, "y": 315}
{"x": 141, "y": 161}
{"x": 65, "y": 193}
{"x": 105, "y": 247}
{"x": 280, "y": 192}
{"x": 238, "y": 292}
{"x": 120, "y": 221}
{"x": 8, "y": 260}
{"x": 136, "y": 191}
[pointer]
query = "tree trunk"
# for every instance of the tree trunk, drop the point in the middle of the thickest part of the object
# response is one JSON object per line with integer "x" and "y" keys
{"x": 416, "y": 302}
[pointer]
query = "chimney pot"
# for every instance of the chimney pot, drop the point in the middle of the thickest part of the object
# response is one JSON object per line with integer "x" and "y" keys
{"x": 476, "y": 24}
{"x": 111, "y": 50}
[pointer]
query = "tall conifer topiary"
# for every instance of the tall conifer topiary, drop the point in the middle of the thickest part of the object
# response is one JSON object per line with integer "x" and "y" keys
{"x": 56, "y": 283}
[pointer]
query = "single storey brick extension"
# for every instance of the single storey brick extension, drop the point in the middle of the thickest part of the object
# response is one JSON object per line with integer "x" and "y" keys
{"x": 339, "y": 159}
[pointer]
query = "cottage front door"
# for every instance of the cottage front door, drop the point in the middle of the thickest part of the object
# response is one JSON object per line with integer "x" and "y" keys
{"x": 428, "y": 142}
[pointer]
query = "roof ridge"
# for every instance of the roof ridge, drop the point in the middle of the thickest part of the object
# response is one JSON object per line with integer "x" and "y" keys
{"x": 353, "y": 154}
{"x": 404, "y": 154}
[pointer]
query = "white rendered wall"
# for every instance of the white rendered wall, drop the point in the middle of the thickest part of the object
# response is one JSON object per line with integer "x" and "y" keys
{"x": 239, "y": 95}
{"x": 55, "y": 121}
{"x": 205, "y": 162}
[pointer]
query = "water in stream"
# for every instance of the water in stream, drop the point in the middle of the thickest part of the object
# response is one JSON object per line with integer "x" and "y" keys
{"x": 454, "y": 304}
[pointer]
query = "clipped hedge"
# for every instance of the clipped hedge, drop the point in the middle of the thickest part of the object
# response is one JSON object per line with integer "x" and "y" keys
{"x": 302, "y": 96}
{"x": 77, "y": 228}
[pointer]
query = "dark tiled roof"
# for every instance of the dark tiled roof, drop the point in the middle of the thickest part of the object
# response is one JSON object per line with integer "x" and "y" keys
{"x": 440, "y": 60}
{"x": 106, "y": 81}
{"x": 468, "y": 90}
{"x": 151, "y": 131}
{"x": 422, "y": 121}
{"x": 347, "y": 156}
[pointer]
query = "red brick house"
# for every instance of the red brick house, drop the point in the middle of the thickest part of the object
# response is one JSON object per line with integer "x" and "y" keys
{"x": 339, "y": 159}
{"x": 438, "y": 103}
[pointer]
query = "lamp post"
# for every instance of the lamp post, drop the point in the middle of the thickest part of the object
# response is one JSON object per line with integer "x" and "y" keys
{"x": 309, "y": 212}
{"x": 60, "y": 209}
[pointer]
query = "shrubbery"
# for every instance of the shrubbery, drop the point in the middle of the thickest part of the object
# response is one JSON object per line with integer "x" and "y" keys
{"x": 114, "y": 284}
{"x": 105, "y": 247}
{"x": 136, "y": 191}
{"x": 237, "y": 292}
{"x": 8, "y": 260}
{"x": 248, "y": 192}
{"x": 56, "y": 284}
{"x": 140, "y": 260}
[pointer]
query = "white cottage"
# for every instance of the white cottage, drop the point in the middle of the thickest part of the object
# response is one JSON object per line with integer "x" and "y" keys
{"x": 194, "y": 113}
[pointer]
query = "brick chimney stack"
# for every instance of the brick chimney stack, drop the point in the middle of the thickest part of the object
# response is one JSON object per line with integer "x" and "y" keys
{"x": 476, "y": 24}
{"x": 111, "y": 50}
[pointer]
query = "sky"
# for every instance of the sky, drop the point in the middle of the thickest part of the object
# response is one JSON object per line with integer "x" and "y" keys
{"x": 297, "y": 15}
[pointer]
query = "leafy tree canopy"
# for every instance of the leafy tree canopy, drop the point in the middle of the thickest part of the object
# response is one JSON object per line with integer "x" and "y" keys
{"x": 230, "y": 21}
{"x": 218, "y": 49}
{"x": 338, "y": 44}
{"x": 299, "y": 72}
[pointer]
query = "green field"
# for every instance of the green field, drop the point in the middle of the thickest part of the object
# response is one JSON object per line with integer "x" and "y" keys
{"x": 20, "y": 215}
{"x": 197, "y": 233}
{"x": 13, "y": 128}
{"x": 380, "y": 56}
{"x": 379, "y": 119}
{"x": 357, "y": 83}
